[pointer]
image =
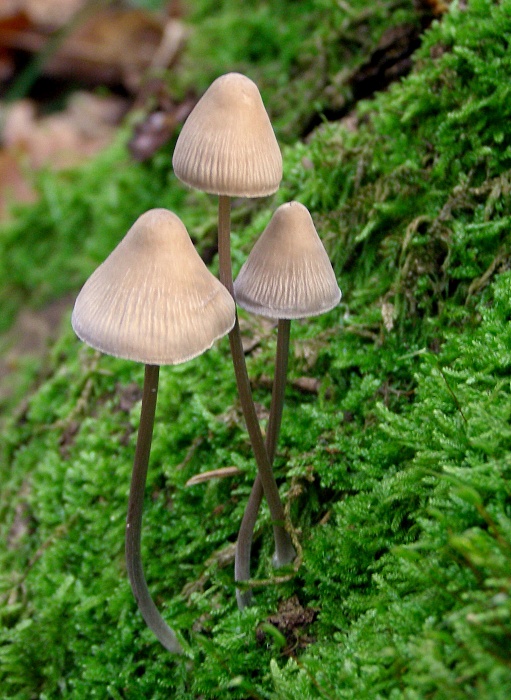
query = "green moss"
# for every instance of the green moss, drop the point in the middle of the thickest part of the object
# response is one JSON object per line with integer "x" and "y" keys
{"x": 423, "y": 183}
{"x": 303, "y": 55}
{"x": 397, "y": 473}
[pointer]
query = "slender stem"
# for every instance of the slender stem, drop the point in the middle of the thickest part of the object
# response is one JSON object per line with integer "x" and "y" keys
{"x": 134, "y": 520}
{"x": 244, "y": 543}
{"x": 224, "y": 242}
{"x": 284, "y": 550}
{"x": 279, "y": 387}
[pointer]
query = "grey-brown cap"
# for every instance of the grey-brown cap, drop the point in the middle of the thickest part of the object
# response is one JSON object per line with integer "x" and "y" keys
{"x": 288, "y": 273}
{"x": 153, "y": 300}
{"x": 227, "y": 145}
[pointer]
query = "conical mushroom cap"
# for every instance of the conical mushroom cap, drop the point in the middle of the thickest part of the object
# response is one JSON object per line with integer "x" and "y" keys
{"x": 153, "y": 300}
{"x": 288, "y": 273}
{"x": 227, "y": 145}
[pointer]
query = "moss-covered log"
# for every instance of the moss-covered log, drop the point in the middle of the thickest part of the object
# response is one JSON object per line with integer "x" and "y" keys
{"x": 396, "y": 470}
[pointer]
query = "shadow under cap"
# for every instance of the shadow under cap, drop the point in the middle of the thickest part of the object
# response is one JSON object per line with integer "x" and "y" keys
{"x": 227, "y": 145}
{"x": 288, "y": 274}
{"x": 153, "y": 300}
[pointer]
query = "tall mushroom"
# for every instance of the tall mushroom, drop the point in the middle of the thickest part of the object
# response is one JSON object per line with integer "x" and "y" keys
{"x": 227, "y": 147}
{"x": 286, "y": 276}
{"x": 154, "y": 301}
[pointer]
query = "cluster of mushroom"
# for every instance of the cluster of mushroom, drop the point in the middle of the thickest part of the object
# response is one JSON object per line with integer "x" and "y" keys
{"x": 154, "y": 301}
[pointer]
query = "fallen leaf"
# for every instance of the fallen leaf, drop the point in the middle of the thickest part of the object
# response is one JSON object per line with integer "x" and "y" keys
{"x": 65, "y": 138}
{"x": 100, "y": 46}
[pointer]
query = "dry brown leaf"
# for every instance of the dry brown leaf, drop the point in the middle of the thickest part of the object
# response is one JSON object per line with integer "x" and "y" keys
{"x": 58, "y": 140}
{"x": 105, "y": 45}
{"x": 112, "y": 46}
{"x": 117, "y": 47}
{"x": 65, "y": 138}
{"x": 51, "y": 13}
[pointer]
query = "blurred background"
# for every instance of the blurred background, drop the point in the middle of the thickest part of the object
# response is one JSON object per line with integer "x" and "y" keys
{"x": 69, "y": 72}
{"x": 78, "y": 76}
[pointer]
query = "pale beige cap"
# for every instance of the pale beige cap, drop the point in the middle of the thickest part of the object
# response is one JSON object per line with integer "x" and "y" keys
{"x": 153, "y": 300}
{"x": 227, "y": 145}
{"x": 288, "y": 273}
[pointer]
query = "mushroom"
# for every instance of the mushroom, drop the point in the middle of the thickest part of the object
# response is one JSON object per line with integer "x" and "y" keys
{"x": 286, "y": 276}
{"x": 154, "y": 301}
{"x": 227, "y": 147}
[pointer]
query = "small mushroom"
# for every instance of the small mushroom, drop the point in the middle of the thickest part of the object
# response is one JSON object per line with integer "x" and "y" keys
{"x": 286, "y": 276}
{"x": 154, "y": 301}
{"x": 227, "y": 147}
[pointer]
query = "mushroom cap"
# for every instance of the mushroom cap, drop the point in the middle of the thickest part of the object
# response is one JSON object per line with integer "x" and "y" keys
{"x": 153, "y": 300}
{"x": 288, "y": 273}
{"x": 227, "y": 145}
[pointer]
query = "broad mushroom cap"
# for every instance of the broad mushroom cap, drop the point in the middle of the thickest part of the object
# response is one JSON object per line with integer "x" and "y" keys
{"x": 153, "y": 300}
{"x": 288, "y": 274}
{"x": 227, "y": 145}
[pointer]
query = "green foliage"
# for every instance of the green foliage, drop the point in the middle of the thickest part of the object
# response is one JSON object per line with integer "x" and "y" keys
{"x": 303, "y": 55}
{"x": 397, "y": 474}
{"x": 421, "y": 188}
{"x": 415, "y": 598}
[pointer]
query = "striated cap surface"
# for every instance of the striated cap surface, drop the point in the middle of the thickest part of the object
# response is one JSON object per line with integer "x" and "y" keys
{"x": 288, "y": 273}
{"x": 153, "y": 300}
{"x": 227, "y": 145}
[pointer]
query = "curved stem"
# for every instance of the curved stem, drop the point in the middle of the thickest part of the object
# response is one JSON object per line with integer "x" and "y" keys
{"x": 134, "y": 520}
{"x": 244, "y": 542}
{"x": 284, "y": 550}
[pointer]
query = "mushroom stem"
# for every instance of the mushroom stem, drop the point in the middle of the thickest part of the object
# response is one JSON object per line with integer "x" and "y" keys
{"x": 279, "y": 387}
{"x": 244, "y": 542}
{"x": 224, "y": 242}
{"x": 138, "y": 583}
{"x": 284, "y": 550}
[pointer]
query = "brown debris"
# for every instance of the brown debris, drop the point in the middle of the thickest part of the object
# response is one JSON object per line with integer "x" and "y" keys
{"x": 220, "y": 473}
{"x": 390, "y": 61}
{"x": 436, "y": 7}
{"x": 68, "y": 437}
{"x": 128, "y": 396}
{"x": 158, "y": 127}
{"x": 59, "y": 140}
{"x": 93, "y": 45}
{"x": 291, "y": 620}
{"x": 307, "y": 385}
{"x": 65, "y": 138}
